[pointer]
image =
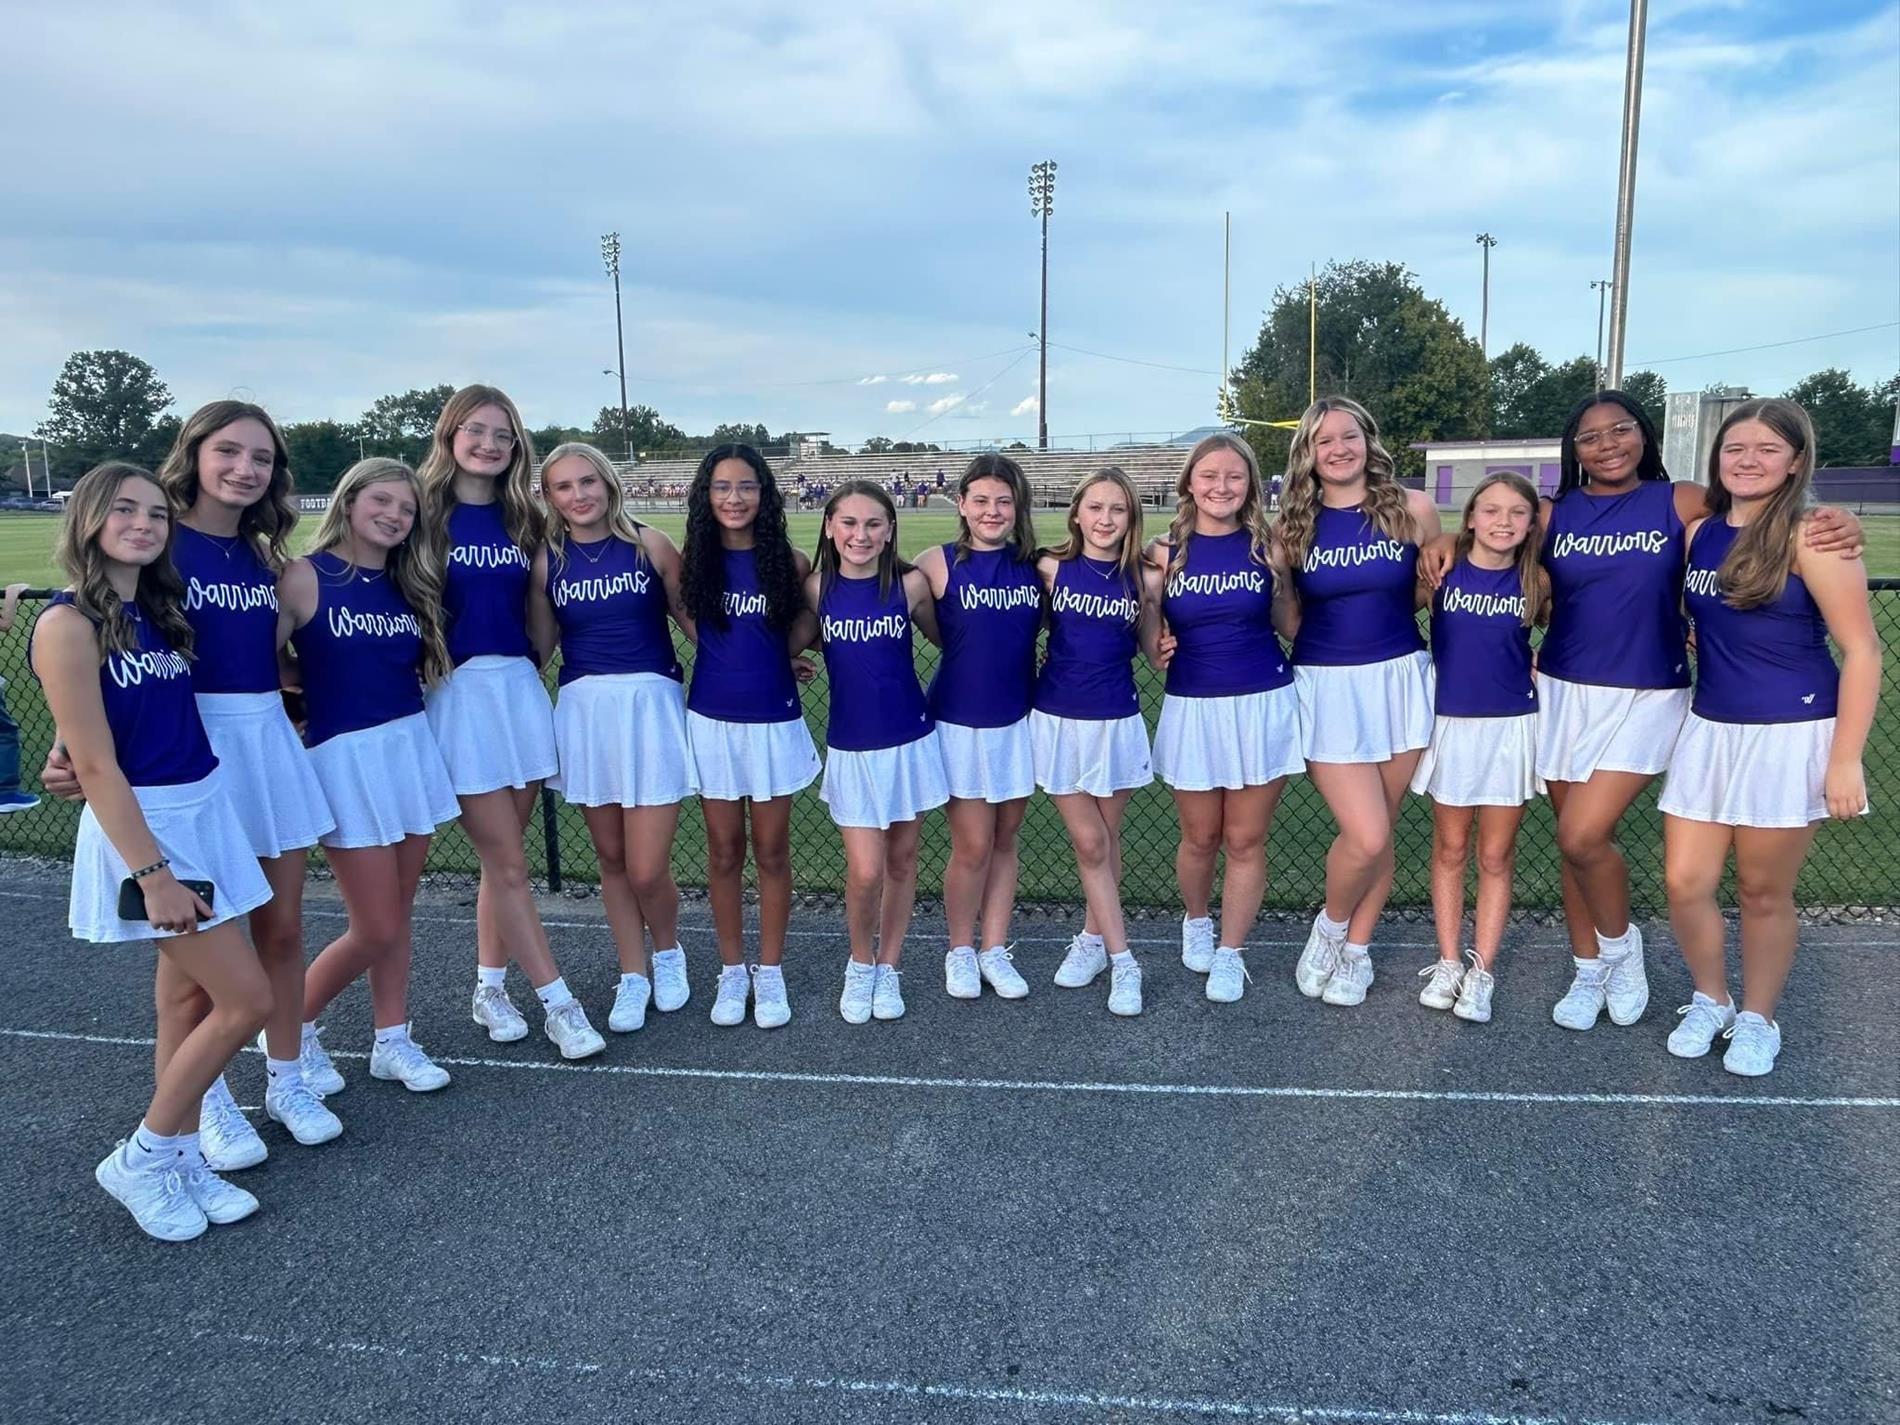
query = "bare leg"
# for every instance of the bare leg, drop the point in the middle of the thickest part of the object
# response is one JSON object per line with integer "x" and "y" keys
{"x": 1497, "y": 866}
{"x": 226, "y": 969}
{"x": 277, "y": 935}
{"x": 507, "y": 923}
{"x": 999, "y": 886}
{"x": 900, "y": 889}
{"x": 649, "y": 838}
{"x": 1586, "y": 838}
{"x": 1360, "y": 857}
{"x": 1694, "y": 853}
{"x": 1246, "y": 816}
{"x": 972, "y": 840}
{"x": 389, "y": 975}
{"x": 1451, "y": 854}
{"x": 863, "y": 888}
{"x": 1201, "y": 814}
{"x": 725, "y": 875}
{"x": 1767, "y": 861}
{"x": 1094, "y": 845}
{"x": 772, "y": 858}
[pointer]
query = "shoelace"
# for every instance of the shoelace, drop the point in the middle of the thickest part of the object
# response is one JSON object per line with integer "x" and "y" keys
{"x": 298, "y": 1098}
{"x": 1446, "y": 970}
{"x": 1706, "y": 1011}
{"x": 880, "y": 972}
{"x": 230, "y": 1122}
{"x": 1118, "y": 975}
{"x": 1477, "y": 978}
{"x": 172, "y": 1183}
{"x": 495, "y": 999}
{"x": 567, "y": 1019}
{"x": 1746, "y": 1032}
{"x": 1239, "y": 964}
{"x": 409, "y": 1057}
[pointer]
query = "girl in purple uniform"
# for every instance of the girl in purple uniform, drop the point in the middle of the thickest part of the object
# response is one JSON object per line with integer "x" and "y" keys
{"x": 602, "y": 588}
{"x": 114, "y": 655}
{"x": 883, "y": 768}
{"x": 1229, "y": 733}
{"x": 360, "y": 613}
{"x": 1774, "y": 738}
{"x": 741, "y": 585}
{"x": 1613, "y": 675}
{"x": 1481, "y": 766}
{"x": 1089, "y": 739}
{"x": 491, "y": 715}
{"x": 1352, "y": 533}
{"x": 989, "y": 610}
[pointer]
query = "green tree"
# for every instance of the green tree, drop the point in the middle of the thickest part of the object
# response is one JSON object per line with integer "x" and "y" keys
{"x": 320, "y": 451}
{"x": 1647, "y": 389}
{"x": 402, "y": 425}
{"x": 649, "y": 432}
{"x": 1383, "y": 342}
{"x": 1515, "y": 374}
{"x": 1853, "y": 423}
{"x": 104, "y": 403}
{"x": 877, "y": 445}
{"x": 756, "y": 436}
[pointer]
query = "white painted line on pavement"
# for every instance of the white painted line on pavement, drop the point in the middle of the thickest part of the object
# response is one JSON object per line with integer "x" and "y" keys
{"x": 1257, "y": 1091}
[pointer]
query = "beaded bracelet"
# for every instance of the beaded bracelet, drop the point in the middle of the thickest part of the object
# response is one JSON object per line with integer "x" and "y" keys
{"x": 159, "y": 865}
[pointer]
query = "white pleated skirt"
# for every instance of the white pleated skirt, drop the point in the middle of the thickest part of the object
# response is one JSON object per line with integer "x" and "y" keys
{"x": 197, "y": 828}
{"x": 1365, "y": 712}
{"x": 622, "y": 741}
{"x": 1583, "y": 728}
{"x": 384, "y": 783}
{"x": 886, "y": 785}
{"x": 1480, "y": 762}
{"x": 988, "y": 764}
{"x": 756, "y": 761}
{"x": 267, "y": 775}
{"x": 1749, "y": 774}
{"x": 1100, "y": 756}
{"x": 1227, "y": 743}
{"x": 494, "y": 723}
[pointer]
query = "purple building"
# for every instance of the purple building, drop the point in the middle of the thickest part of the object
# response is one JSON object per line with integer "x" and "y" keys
{"x": 1453, "y": 468}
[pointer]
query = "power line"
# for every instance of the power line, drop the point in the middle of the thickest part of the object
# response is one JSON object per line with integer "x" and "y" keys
{"x": 1768, "y": 345}
{"x": 977, "y": 392}
{"x": 829, "y": 380}
{"x": 1134, "y": 361}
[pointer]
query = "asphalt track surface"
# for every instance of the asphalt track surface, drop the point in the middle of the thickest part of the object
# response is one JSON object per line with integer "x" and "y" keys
{"x": 1271, "y": 1211}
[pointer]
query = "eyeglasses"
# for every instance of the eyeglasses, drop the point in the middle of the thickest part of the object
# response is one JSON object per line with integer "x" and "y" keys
{"x": 1587, "y": 440}
{"x": 722, "y": 490}
{"x": 504, "y": 438}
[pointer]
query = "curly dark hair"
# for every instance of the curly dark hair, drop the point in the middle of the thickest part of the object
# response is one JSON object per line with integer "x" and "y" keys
{"x": 702, "y": 561}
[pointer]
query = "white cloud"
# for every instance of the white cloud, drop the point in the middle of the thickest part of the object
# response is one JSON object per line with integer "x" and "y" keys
{"x": 898, "y": 408}
{"x": 945, "y": 403}
{"x": 872, "y": 380}
{"x": 1024, "y": 407}
{"x": 935, "y": 378}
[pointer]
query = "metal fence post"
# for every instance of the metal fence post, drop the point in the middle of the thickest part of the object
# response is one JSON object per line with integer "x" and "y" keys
{"x": 551, "y": 838}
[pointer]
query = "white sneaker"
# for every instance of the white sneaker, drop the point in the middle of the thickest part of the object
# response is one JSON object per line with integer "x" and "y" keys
{"x": 887, "y": 994}
{"x": 494, "y": 1011}
{"x": 1585, "y": 998}
{"x": 1124, "y": 987}
{"x": 860, "y": 990}
{"x": 1628, "y": 988}
{"x": 569, "y": 1031}
{"x": 318, "y": 1072}
{"x": 961, "y": 977}
{"x": 1351, "y": 978}
{"x": 230, "y": 1143}
{"x": 630, "y": 1004}
{"x": 1443, "y": 979}
{"x": 1703, "y": 1022}
{"x": 1197, "y": 944}
{"x": 219, "y": 1201}
{"x": 670, "y": 989}
{"x": 770, "y": 1008}
{"x": 1227, "y": 976}
{"x": 300, "y": 1111}
{"x": 1084, "y": 962}
{"x": 155, "y": 1197}
{"x": 735, "y": 983}
{"x": 1753, "y": 1043}
{"x": 1000, "y": 974}
{"x": 1474, "y": 994}
{"x": 403, "y": 1060}
{"x": 1318, "y": 961}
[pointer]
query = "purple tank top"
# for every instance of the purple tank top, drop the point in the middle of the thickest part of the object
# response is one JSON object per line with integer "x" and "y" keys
{"x": 1767, "y": 664}
{"x": 485, "y": 596}
{"x": 989, "y": 616}
{"x": 1218, "y": 603}
{"x": 611, "y": 606}
{"x": 1356, "y": 594}
{"x": 1481, "y": 647}
{"x": 360, "y": 654}
{"x": 156, "y": 731}
{"x": 1093, "y": 612}
{"x": 231, "y": 600}
{"x": 875, "y": 699}
{"x": 1615, "y": 565}
{"x": 743, "y": 672}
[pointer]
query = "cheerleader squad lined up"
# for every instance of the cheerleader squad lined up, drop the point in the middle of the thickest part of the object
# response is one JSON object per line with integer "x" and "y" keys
{"x": 222, "y": 706}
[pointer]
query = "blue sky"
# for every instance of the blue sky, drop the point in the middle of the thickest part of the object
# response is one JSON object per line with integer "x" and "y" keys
{"x": 314, "y": 209}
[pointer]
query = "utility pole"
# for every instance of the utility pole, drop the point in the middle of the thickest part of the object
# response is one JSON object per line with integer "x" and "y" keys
{"x": 1487, "y": 242}
{"x": 1626, "y": 191}
{"x": 610, "y": 254}
{"x": 1226, "y": 292}
{"x": 1602, "y": 289}
{"x": 1042, "y": 202}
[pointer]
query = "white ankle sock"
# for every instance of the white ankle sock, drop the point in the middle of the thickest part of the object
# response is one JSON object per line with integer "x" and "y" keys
{"x": 1122, "y": 957}
{"x": 1359, "y": 952}
{"x": 491, "y": 977}
{"x": 190, "y": 1149}
{"x": 553, "y": 994}
{"x": 284, "y": 1073}
{"x": 1094, "y": 941}
{"x": 146, "y": 1151}
{"x": 769, "y": 972}
{"x": 1613, "y": 945}
{"x": 628, "y": 979}
{"x": 1330, "y": 928}
{"x": 960, "y": 949}
{"x": 392, "y": 1034}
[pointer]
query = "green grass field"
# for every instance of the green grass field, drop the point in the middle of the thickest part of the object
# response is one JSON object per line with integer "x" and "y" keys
{"x": 1851, "y": 864}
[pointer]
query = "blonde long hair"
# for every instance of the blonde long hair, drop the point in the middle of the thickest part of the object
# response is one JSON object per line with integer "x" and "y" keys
{"x": 1531, "y": 577}
{"x": 520, "y": 512}
{"x": 1755, "y": 569}
{"x": 161, "y": 591}
{"x": 1253, "y": 509}
{"x": 1384, "y": 503}
{"x": 267, "y": 524}
{"x": 1074, "y": 547}
{"x": 414, "y": 566}
{"x": 620, "y": 522}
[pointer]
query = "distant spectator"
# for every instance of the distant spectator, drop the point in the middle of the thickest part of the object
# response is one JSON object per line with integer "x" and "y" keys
{"x": 11, "y": 797}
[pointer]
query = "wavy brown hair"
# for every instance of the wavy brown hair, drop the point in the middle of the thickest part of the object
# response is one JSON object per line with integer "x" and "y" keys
{"x": 620, "y": 522}
{"x": 1531, "y": 577}
{"x": 1253, "y": 509}
{"x": 992, "y": 466}
{"x": 826, "y": 558}
{"x": 267, "y": 524}
{"x": 1075, "y": 546}
{"x": 520, "y": 511}
{"x": 1384, "y": 503}
{"x": 161, "y": 592}
{"x": 414, "y": 567}
{"x": 1755, "y": 569}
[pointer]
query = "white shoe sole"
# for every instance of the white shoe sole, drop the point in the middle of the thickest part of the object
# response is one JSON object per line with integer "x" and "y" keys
{"x": 413, "y": 1088}
{"x": 108, "y": 1178}
{"x": 235, "y": 1213}
{"x": 502, "y": 1036}
{"x": 1073, "y": 984}
{"x": 887, "y": 1015}
{"x": 1008, "y": 991}
{"x": 323, "y": 1135}
{"x": 255, "y": 1152}
{"x": 585, "y": 1051}
{"x": 1471, "y": 1016}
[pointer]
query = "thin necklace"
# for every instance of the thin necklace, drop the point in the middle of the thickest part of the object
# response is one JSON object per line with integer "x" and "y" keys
{"x": 592, "y": 558}
{"x": 228, "y": 543}
{"x": 1107, "y": 575}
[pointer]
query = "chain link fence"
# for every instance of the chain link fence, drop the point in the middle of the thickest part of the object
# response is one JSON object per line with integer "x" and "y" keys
{"x": 1852, "y": 865}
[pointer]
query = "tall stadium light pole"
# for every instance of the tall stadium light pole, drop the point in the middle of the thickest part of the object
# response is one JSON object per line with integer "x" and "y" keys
{"x": 26, "y": 459}
{"x": 1487, "y": 242}
{"x": 1042, "y": 202}
{"x": 1602, "y": 289}
{"x": 610, "y": 254}
{"x": 1626, "y": 191}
